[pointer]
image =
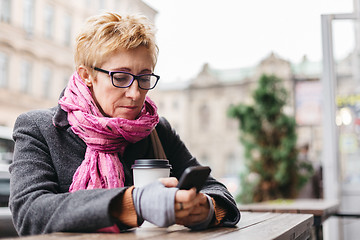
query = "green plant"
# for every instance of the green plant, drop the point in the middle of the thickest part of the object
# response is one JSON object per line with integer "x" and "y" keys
{"x": 269, "y": 139}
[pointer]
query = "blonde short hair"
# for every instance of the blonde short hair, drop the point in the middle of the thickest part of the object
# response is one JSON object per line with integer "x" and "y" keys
{"x": 103, "y": 34}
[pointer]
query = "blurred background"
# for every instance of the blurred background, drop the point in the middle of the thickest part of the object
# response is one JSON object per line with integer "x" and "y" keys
{"x": 212, "y": 54}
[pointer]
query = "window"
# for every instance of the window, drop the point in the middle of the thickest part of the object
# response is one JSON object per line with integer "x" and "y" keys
{"x": 66, "y": 80}
{"x": 231, "y": 124}
{"x": 49, "y": 21}
{"x": 5, "y": 10}
{"x": 25, "y": 76}
{"x": 67, "y": 29}
{"x": 204, "y": 113}
{"x": 4, "y": 68}
{"x": 28, "y": 20}
{"x": 46, "y": 82}
{"x": 161, "y": 105}
{"x": 175, "y": 104}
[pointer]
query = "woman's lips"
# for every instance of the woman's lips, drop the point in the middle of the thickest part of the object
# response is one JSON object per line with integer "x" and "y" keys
{"x": 130, "y": 107}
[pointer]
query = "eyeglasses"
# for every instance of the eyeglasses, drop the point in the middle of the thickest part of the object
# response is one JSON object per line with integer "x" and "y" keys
{"x": 124, "y": 79}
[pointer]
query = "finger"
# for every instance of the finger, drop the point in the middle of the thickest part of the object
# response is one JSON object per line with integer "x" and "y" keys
{"x": 182, "y": 213}
{"x": 202, "y": 198}
{"x": 185, "y": 207}
{"x": 194, "y": 210}
{"x": 169, "y": 182}
{"x": 191, "y": 219}
{"x": 185, "y": 195}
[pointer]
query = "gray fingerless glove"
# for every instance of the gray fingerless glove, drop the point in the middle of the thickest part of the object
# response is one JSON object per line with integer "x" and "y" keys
{"x": 155, "y": 203}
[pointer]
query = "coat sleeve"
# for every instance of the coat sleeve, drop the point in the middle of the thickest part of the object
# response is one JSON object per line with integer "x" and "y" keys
{"x": 180, "y": 158}
{"x": 37, "y": 203}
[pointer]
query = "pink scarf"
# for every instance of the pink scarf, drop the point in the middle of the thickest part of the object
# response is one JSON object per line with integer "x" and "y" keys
{"x": 105, "y": 137}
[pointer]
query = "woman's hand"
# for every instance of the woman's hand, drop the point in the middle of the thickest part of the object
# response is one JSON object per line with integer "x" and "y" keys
{"x": 190, "y": 207}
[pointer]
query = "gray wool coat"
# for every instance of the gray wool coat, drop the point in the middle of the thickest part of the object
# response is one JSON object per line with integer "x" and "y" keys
{"x": 47, "y": 154}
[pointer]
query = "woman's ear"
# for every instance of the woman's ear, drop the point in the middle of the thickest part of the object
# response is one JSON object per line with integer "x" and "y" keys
{"x": 85, "y": 75}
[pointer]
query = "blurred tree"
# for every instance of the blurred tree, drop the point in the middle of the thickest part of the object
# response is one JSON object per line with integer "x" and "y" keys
{"x": 269, "y": 139}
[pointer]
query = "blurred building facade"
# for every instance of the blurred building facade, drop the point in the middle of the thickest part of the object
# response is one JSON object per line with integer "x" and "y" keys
{"x": 36, "y": 55}
{"x": 197, "y": 109}
{"x": 36, "y": 60}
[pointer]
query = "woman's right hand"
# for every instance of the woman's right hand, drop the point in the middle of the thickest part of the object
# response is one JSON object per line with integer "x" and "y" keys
{"x": 155, "y": 202}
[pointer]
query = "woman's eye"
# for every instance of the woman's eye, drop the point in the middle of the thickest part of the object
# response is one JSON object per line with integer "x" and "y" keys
{"x": 145, "y": 78}
{"x": 122, "y": 77}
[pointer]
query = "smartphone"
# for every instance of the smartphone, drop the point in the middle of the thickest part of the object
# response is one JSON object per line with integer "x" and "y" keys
{"x": 194, "y": 177}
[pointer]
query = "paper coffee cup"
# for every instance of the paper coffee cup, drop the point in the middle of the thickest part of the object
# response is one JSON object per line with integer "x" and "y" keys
{"x": 146, "y": 171}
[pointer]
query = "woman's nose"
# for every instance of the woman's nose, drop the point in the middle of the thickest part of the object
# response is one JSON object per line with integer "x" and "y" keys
{"x": 133, "y": 91}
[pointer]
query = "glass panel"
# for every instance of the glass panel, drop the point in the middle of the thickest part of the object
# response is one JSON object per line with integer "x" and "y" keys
{"x": 67, "y": 29}
{"x": 28, "y": 19}
{"x": 6, "y": 150}
{"x": 204, "y": 117}
{"x": 25, "y": 76}
{"x": 49, "y": 21}
{"x": 4, "y": 64}
{"x": 347, "y": 58}
{"x": 5, "y": 187}
{"x": 47, "y": 75}
{"x": 5, "y": 10}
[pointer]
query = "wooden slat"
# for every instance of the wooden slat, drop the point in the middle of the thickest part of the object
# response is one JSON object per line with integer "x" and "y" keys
{"x": 251, "y": 226}
{"x": 247, "y": 220}
{"x": 280, "y": 227}
{"x": 318, "y": 207}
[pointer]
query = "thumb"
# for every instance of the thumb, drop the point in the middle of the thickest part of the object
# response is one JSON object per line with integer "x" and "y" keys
{"x": 169, "y": 182}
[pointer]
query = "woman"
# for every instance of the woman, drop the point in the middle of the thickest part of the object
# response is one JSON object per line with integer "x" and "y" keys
{"x": 72, "y": 163}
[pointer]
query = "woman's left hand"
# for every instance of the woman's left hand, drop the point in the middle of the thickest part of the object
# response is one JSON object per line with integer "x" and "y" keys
{"x": 190, "y": 207}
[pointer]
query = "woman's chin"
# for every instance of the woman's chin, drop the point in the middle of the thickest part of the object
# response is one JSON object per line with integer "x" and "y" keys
{"x": 129, "y": 115}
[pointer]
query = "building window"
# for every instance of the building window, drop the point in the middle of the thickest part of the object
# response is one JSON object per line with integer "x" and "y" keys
{"x": 175, "y": 105}
{"x": 4, "y": 68}
{"x": 25, "y": 76}
{"x": 204, "y": 113}
{"x": 47, "y": 76}
{"x": 161, "y": 105}
{"x": 5, "y": 10}
{"x": 66, "y": 80}
{"x": 49, "y": 21}
{"x": 67, "y": 29}
{"x": 28, "y": 20}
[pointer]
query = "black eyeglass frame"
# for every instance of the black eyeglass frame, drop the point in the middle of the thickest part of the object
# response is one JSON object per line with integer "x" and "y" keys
{"x": 135, "y": 77}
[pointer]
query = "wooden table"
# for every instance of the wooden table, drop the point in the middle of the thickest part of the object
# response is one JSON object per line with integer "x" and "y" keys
{"x": 254, "y": 226}
{"x": 321, "y": 209}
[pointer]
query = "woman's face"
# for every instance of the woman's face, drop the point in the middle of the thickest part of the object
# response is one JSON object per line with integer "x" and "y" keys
{"x": 122, "y": 102}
